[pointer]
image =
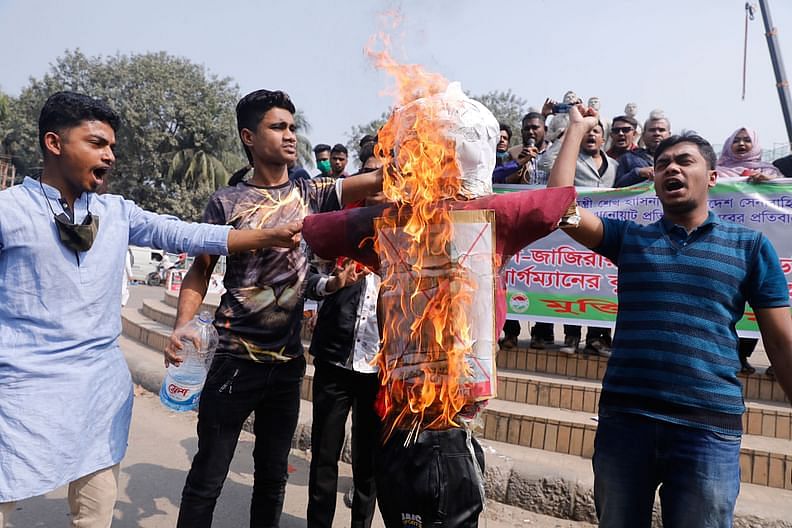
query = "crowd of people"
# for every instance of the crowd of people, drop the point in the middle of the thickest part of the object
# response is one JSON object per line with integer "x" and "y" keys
{"x": 671, "y": 404}
{"x": 614, "y": 153}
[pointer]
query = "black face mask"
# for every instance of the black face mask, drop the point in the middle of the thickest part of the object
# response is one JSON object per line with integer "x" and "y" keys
{"x": 77, "y": 237}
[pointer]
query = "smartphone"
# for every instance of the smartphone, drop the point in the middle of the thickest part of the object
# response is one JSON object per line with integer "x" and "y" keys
{"x": 561, "y": 108}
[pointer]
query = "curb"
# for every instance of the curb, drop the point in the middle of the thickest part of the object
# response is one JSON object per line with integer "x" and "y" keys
{"x": 534, "y": 486}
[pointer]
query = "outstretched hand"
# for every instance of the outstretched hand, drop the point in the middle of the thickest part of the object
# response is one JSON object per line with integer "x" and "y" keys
{"x": 286, "y": 236}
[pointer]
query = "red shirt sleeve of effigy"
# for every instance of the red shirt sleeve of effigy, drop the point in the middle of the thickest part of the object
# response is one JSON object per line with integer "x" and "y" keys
{"x": 346, "y": 233}
{"x": 524, "y": 217}
{"x": 520, "y": 219}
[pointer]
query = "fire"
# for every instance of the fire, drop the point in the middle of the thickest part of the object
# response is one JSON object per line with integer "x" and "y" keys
{"x": 426, "y": 293}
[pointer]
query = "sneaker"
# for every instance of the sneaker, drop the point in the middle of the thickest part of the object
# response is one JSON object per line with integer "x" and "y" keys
{"x": 769, "y": 372}
{"x": 747, "y": 368}
{"x": 597, "y": 347}
{"x": 571, "y": 344}
{"x": 510, "y": 341}
{"x": 537, "y": 342}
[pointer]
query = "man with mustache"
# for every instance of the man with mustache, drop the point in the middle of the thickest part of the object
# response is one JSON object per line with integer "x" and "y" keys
{"x": 671, "y": 405}
{"x": 637, "y": 165}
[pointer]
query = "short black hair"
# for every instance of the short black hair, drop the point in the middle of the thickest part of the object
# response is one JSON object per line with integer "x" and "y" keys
{"x": 338, "y": 147}
{"x": 507, "y": 129}
{"x": 689, "y": 136}
{"x": 626, "y": 119}
{"x": 533, "y": 115}
{"x": 368, "y": 138}
{"x": 64, "y": 110}
{"x": 251, "y": 109}
{"x": 321, "y": 147}
{"x": 365, "y": 152}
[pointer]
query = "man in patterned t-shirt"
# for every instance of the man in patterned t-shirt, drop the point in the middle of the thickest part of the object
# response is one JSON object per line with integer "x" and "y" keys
{"x": 259, "y": 363}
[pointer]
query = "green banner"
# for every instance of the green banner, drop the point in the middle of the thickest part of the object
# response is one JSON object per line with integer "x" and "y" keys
{"x": 558, "y": 280}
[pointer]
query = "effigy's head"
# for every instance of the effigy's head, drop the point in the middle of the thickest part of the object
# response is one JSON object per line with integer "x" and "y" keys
{"x": 438, "y": 147}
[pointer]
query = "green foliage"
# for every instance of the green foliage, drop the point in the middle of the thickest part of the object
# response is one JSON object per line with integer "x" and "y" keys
{"x": 507, "y": 108}
{"x": 304, "y": 148}
{"x": 358, "y": 131}
{"x": 177, "y": 141}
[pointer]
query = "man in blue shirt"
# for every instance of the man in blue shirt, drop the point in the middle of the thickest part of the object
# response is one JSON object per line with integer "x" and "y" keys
{"x": 65, "y": 389}
{"x": 671, "y": 405}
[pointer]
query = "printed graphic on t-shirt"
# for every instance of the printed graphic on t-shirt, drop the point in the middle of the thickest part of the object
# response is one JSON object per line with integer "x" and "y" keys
{"x": 260, "y": 314}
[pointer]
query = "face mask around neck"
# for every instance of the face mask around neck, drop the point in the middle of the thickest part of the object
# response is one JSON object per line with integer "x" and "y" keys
{"x": 77, "y": 237}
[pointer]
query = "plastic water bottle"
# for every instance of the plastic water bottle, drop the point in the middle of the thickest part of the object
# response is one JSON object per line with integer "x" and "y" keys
{"x": 181, "y": 388}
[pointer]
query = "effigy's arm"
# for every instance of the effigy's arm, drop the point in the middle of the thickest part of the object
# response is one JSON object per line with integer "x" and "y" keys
{"x": 520, "y": 219}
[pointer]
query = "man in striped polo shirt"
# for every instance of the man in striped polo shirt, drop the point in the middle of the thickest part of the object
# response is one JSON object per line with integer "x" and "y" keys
{"x": 671, "y": 404}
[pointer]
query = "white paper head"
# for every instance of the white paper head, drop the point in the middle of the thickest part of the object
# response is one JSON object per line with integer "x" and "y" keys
{"x": 471, "y": 126}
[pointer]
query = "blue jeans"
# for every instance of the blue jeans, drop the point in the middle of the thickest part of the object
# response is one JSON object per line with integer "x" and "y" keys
{"x": 698, "y": 472}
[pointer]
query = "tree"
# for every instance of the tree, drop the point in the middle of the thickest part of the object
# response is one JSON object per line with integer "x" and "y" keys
{"x": 177, "y": 140}
{"x": 304, "y": 149}
{"x": 507, "y": 108}
{"x": 370, "y": 128}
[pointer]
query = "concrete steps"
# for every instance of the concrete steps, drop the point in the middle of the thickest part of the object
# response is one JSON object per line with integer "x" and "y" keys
{"x": 756, "y": 386}
{"x": 548, "y": 401}
{"x": 537, "y": 435}
{"x": 765, "y": 418}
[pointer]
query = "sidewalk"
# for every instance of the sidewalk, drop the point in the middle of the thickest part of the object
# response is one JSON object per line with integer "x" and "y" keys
{"x": 533, "y": 480}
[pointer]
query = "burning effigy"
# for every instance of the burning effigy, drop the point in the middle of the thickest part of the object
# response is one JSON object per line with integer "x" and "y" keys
{"x": 438, "y": 246}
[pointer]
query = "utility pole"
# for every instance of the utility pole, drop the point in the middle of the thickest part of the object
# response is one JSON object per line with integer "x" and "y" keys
{"x": 782, "y": 84}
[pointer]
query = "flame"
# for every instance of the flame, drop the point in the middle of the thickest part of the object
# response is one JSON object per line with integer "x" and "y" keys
{"x": 426, "y": 335}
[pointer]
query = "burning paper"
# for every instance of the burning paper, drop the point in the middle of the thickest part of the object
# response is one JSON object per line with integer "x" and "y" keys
{"x": 439, "y": 321}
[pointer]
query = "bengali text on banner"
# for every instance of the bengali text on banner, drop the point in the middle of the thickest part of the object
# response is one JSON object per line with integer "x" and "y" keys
{"x": 558, "y": 280}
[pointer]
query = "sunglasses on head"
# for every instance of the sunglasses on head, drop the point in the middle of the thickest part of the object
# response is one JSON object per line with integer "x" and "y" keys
{"x": 622, "y": 130}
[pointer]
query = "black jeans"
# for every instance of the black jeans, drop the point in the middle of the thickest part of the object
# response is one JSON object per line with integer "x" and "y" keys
{"x": 431, "y": 483}
{"x": 511, "y": 328}
{"x": 335, "y": 391}
{"x": 234, "y": 388}
{"x": 746, "y": 347}
{"x": 594, "y": 332}
{"x": 543, "y": 331}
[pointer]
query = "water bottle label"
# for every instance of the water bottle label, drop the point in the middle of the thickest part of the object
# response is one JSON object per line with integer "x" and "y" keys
{"x": 180, "y": 397}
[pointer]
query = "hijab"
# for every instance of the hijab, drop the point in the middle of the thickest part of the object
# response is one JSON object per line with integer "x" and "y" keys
{"x": 731, "y": 165}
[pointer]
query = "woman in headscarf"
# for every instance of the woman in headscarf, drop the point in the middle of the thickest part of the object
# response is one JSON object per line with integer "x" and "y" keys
{"x": 742, "y": 156}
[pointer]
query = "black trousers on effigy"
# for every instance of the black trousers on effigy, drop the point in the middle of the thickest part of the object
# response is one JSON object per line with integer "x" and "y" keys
{"x": 430, "y": 483}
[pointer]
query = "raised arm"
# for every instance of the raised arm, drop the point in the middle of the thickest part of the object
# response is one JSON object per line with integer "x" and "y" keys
{"x": 589, "y": 231}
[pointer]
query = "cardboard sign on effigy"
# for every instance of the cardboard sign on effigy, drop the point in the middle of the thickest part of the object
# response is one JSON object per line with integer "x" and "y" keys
{"x": 467, "y": 267}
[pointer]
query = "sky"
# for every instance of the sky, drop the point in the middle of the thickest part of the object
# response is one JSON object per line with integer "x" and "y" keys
{"x": 684, "y": 56}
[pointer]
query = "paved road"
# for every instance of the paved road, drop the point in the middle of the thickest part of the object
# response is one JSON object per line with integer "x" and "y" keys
{"x": 161, "y": 446}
